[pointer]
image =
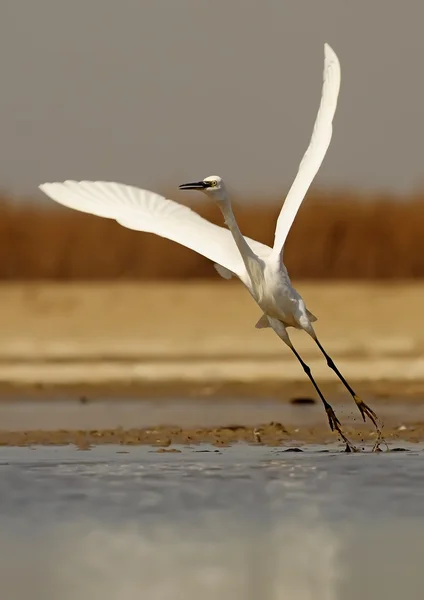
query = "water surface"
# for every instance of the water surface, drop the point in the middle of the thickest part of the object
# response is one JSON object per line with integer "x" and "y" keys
{"x": 238, "y": 523}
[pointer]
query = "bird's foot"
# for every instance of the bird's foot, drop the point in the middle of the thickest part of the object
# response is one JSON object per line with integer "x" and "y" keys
{"x": 366, "y": 411}
{"x": 257, "y": 435}
{"x": 335, "y": 425}
{"x": 350, "y": 447}
{"x": 332, "y": 419}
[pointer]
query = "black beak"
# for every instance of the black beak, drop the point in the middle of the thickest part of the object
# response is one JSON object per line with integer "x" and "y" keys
{"x": 196, "y": 185}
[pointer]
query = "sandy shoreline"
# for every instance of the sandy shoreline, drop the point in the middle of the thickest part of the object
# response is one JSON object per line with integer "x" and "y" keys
{"x": 383, "y": 373}
{"x": 206, "y": 320}
{"x": 163, "y": 333}
{"x": 197, "y": 341}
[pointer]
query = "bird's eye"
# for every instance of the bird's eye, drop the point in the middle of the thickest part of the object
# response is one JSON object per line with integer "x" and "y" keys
{"x": 213, "y": 183}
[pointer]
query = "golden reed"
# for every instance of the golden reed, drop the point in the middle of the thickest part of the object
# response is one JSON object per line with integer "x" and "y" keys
{"x": 337, "y": 235}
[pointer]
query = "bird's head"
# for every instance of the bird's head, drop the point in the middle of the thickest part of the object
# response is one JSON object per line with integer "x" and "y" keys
{"x": 212, "y": 186}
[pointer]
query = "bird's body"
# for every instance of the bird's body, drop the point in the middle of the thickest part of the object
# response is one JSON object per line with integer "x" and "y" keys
{"x": 278, "y": 299}
{"x": 259, "y": 267}
{"x": 275, "y": 295}
{"x": 262, "y": 272}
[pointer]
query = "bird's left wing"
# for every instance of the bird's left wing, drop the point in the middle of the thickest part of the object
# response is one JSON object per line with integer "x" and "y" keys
{"x": 142, "y": 210}
{"x": 314, "y": 155}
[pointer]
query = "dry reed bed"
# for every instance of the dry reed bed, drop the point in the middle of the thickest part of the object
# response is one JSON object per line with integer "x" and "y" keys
{"x": 335, "y": 236}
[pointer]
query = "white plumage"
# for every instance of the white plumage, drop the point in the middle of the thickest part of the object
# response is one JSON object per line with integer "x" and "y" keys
{"x": 258, "y": 266}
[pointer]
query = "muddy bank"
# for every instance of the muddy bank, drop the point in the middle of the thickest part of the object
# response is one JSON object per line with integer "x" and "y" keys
{"x": 165, "y": 437}
{"x": 300, "y": 419}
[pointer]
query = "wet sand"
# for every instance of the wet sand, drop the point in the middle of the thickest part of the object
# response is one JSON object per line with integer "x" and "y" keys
{"x": 170, "y": 423}
{"x": 169, "y": 438}
{"x": 125, "y": 343}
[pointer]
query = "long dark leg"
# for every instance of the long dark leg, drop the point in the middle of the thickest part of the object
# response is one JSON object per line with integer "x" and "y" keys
{"x": 331, "y": 415}
{"x": 365, "y": 410}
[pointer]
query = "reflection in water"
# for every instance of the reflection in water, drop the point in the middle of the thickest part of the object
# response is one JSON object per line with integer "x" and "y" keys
{"x": 89, "y": 561}
{"x": 249, "y": 523}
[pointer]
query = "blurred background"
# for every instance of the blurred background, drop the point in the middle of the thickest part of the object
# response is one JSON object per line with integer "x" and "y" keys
{"x": 158, "y": 93}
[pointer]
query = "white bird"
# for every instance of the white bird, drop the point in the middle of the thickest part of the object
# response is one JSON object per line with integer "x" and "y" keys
{"x": 259, "y": 267}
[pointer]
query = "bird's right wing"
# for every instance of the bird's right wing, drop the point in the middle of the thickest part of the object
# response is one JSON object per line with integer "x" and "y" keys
{"x": 317, "y": 149}
{"x": 143, "y": 210}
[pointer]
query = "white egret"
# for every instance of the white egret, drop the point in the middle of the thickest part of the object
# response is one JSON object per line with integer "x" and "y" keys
{"x": 259, "y": 267}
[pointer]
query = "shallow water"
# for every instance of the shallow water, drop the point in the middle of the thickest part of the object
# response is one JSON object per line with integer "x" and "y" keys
{"x": 244, "y": 522}
{"x": 71, "y": 413}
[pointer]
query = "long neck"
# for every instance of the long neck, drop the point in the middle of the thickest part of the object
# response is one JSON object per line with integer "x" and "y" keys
{"x": 251, "y": 261}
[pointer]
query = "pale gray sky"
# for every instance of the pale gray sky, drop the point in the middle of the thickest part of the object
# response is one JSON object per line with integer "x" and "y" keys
{"x": 157, "y": 92}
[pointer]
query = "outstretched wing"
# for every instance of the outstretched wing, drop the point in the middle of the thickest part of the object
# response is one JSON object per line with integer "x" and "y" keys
{"x": 314, "y": 155}
{"x": 143, "y": 210}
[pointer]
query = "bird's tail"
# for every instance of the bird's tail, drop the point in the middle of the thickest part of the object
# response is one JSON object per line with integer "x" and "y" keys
{"x": 311, "y": 317}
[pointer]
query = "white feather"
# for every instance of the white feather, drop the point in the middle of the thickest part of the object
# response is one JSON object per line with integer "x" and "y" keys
{"x": 142, "y": 210}
{"x": 225, "y": 273}
{"x": 314, "y": 155}
{"x": 260, "y": 268}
